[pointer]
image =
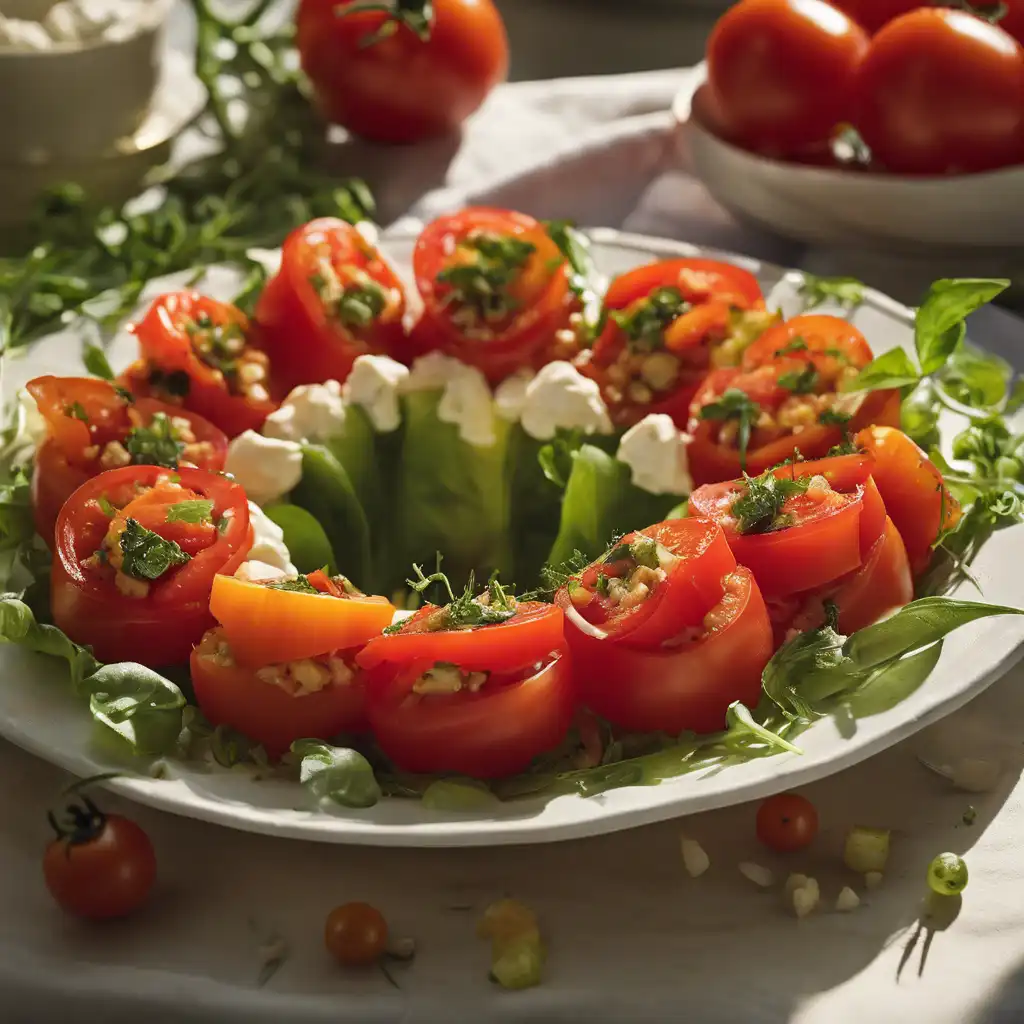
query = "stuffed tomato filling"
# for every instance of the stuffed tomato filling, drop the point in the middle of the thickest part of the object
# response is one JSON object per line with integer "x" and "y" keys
{"x": 351, "y": 296}
{"x": 627, "y": 577}
{"x": 221, "y": 344}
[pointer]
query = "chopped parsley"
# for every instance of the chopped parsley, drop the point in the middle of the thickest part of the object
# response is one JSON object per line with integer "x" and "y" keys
{"x": 602, "y": 584}
{"x": 124, "y": 394}
{"x": 800, "y": 382}
{"x": 195, "y": 511}
{"x": 644, "y": 321}
{"x": 796, "y": 345}
{"x": 834, "y": 418}
{"x": 641, "y": 551}
{"x": 147, "y": 555}
{"x": 759, "y": 508}
{"x": 847, "y": 447}
{"x": 481, "y": 286}
{"x": 105, "y": 506}
{"x": 466, "y": 610}
{"x": 735, "y": 405}
{"x": 155, "y": 445}
{"x": 223, "y": 523}
{"x": 299, "y": 585}
{"x": 218, "y": 345}
{"x": 76, "y": 411}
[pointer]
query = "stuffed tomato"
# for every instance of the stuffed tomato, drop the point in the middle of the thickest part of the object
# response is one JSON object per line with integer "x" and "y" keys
{"x": 334, "y": 298}
{"x": 666, "y": 631}
{"x": 478, "y": 687}
{"x": 667, "y": 324}
{"x": 136, "y": 553}
{"x": 786, "y": 396}
{"x": 198, "y": 353}
{"x": 280, "y": 666}
{"x": 495, "y": 292}
{"x": 93, "y": 426}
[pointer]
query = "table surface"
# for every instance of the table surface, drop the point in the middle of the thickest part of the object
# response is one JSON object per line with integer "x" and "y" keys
{"x": 632, "y": 937}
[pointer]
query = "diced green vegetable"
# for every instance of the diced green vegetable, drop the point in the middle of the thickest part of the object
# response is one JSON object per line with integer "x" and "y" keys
{"x": 519, "y": 963}
{"x": 866, "y": 849}
{"x": 947, "y": 874}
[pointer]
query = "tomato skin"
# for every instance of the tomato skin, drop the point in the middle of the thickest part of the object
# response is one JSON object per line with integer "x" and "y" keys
{"x": 234, "y": 696}
{"x": 167, "y": 348}
{"x": 356, "y": 934}
{"x": 402, "y": 89}
{"x": 675, "y": 688}
{"x": 787, "y": 823}
{"x": 821, "y": 334}
{"x": 305, "y": 343}
{"x": 713, "y": 287}
{"x": 780, "y": 72}
{"x": 939, "y": 92}
{"x": 105, "y": 877}
{"x": 489, "y": 734}
{"x": 545, "y": 302}
{"x": 160, "y": 629}
{"x": 1013, "y": 20}
{"x": 916, "y": 499}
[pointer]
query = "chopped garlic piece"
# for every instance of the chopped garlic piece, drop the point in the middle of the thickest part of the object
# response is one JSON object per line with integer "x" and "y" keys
{"x": 695, "y": 860}
{"x": 794, "y": 882}
{"x": 758, "y": 874}
{"x": 847, "y": 899}
{"x": 805, "y": 898}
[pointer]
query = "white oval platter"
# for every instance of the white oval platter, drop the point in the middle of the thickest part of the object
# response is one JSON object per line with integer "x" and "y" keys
{"x": 39, "y": 712}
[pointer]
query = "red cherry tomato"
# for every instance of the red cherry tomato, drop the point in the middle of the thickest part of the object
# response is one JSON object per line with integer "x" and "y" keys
{"x": 1012, "y": 20}
{"x": 334, "y": 298}
{"x": 403, "y": 87}
{"x": 101, "y": 866}
{"x": 356, "y": 934}
{"x": 916, "y": 499}
{"x": 787, "y": 823}
{"x": 780, "y": 72}
{"x": 939, "y": 92}
{"x": 157, "y": 619}
{"x": 506, "y": 316}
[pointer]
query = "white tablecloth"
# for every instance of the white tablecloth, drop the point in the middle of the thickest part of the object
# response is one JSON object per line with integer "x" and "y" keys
{"x": 632, "y": 937}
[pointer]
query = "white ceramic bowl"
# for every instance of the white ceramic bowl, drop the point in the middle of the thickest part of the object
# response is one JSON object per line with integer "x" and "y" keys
{"x": 850, "y": 208}
{"x": 75, "y": 101}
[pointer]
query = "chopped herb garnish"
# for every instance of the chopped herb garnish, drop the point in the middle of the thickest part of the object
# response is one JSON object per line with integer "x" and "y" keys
{"x": 644, "y": 321}
{"x": 845, "y": 291}
{"x": 847, "y": 447}
{"x": 641, "y": 551}
{"x": 602, "y": 584}
{"x": 796, "y": 345}
{"x": 155, "y": 445}
{"x": 739, "y": 406}
{"x": 759, "y": 508}
{"x": 834, "y": 418}
{"x": 360, "y": 304}
{"x": 125, "y": 395}
{"x": 575, "y": 248}
{"x": 481, "y": 285}
{"x": 300, "y": 585}
{"x": 147, "y": 555}
{"x": 800, "y": 382}
{"x": 76, "y": 411}
{"x": 218, "y": 345}
{"x": 466, "y": 609}
{"x": 223, "y": 523}
{"x": 197, "y": 510}
{"x": 105, "y": 506}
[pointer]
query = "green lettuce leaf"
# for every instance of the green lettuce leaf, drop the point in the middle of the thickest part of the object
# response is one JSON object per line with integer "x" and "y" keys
{"x": 304, "y": 537}
{"x": 452, "y": 497}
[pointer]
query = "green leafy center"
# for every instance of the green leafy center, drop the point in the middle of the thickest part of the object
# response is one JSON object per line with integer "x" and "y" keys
{"x": 147, "y": 555}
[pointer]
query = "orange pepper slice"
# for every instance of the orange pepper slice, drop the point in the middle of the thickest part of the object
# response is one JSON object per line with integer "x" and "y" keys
{"x": 266, "y": 626}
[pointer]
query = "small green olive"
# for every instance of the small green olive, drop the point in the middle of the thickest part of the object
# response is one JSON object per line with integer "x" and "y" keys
{"x": 947, "y": 874}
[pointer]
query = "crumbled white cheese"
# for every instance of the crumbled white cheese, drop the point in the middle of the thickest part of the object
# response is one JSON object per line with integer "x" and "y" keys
{"x": 466, "y": 400}
{"x": 805, "y": 897}
{"x": 373, "y": 385}
{"x": 268, "y": 546}
{"x": 758, "y": 874}
{"x": 256, "y": 570}
{"x": 510, "y": 395}
{"x": 267, "y": 468}
{"x": 847, "y": 899}
{"x": 695, "y": 859}
{"x": 873, "y": 879}
{"x": 655, "y": 451}
{"x": 311, "y": 412}
{"x": 561, "y": 397}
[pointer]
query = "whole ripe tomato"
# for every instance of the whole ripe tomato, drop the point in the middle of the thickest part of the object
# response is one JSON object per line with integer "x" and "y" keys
{"x": 100, "y": 866}
{"x": 356, "y": 934}
{"x": 787, "y": 822}
{"x": 406, "y": 76}
{"x": 941, "y": 91}
{"x": 871, "y": 15}
{"x": 780, "y": 72}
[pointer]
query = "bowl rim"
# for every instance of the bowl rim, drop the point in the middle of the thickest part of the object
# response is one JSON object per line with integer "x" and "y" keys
{"x": 685, "y": 113}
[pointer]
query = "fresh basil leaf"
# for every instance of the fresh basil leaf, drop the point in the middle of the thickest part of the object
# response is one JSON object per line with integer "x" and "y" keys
{"x": 194, "y": 511}
{"x": 976, "y": 378}
{"x": 18, "y": 625}
{"x": 140, "y": 705}
{"x": 338, "y": 774}
{"x": 893, "y": 683}
{"x": 938, "y": 325}
{"x": 147, "y": 555}
{"x": 892, "y": 369}
{"x": 739, "y": 720}
{"x": 919, "y": 415}
{"x": 96, "y": 362}
{"x": 304, "y": 538}
{"x": 1016, "y": 400}
{"x": 815, "y": 291}
{"x": 556, "y": 457}
{"x": 583, "y": 277}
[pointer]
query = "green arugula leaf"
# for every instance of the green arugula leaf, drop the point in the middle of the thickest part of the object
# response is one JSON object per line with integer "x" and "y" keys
{"x": 735, "y": 405}
{"x": 739, "y": 720}
{"x": 976, "y": 378}
{"x": 96, "y": 362}
{"x": 338, "y": 774}
{"x": 938, "y": 325}
{"x": 155, "y": 445}
{"x": 147, "y": 555}
{"x": 892, "y": 369}
{"x": 197, "y": 510}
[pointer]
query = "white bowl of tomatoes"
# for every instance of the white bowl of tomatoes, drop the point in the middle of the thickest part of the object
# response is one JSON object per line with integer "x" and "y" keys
{"x": 911, "y": 137}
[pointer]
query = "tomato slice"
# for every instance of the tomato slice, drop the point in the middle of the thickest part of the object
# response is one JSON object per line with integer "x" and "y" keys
{"x": 816, "y": 536}
{"x": 265, "y": 624}
{"x": 496, "y": 731}
{"x": 88, "y": 423}
{"x": 505, "y": 317}
{"x": 679, "y": 575}
{"x": 153, "y": 621}
{"x": 198, "y": 353}
{"x": 233, "y": 695}
{"x": 686, "y": 682}
{"x": 915, "y": 497}
{"x": 829, "y": 342}
{"x": 652, "y": 357}
{"x": 335, "y": 298}
{"x": 530, "y": 635}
